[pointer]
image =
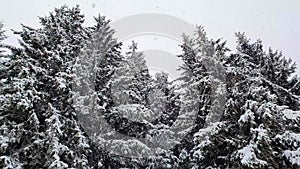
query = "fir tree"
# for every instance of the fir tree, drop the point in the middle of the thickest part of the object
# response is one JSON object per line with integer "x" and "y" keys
{"x": 252, "y": 118}
{"x": 199, "y": 83}
{"x": 2, "y": 36}
{"x": 38, "y": 99}
{"x": 128, "y": 115}
{"x": 94, "y": 69}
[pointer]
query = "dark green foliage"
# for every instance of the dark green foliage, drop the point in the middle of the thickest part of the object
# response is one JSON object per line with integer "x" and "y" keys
{"x": 67, "y": 81}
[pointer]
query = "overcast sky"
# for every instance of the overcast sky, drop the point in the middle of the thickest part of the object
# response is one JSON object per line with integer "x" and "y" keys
{"x": 277, "y": 23}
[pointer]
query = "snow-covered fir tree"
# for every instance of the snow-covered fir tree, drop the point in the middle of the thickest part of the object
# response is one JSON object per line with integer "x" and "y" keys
{"x": 165, "y": 99}
{"x": 200, "y": 63}
{"x": 39, "y": 124}
{"x": 252, "y": 129}
{"x": 2, "y": 35}
{"x": 93, "y": 70}
{"x": 129, "y": 113}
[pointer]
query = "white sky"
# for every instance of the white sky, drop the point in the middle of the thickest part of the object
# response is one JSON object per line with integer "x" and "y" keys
{"x": 276, "y": 22}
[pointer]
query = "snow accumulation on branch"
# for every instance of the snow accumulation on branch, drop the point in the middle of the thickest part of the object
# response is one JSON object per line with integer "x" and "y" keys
{"x": 291, "y": 115}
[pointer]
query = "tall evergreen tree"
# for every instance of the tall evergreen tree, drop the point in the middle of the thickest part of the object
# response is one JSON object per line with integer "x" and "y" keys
{"x": 38, "y": 98}
{"x": 165, "y": 99}
{"x": 10, "y": 132}
{"x": 94, "y": 69}
{"x": 199, "y": 56}
{"x": 2, "y": 35}
{"x": 252, "y": 118}
{"x": 130, "y": 109}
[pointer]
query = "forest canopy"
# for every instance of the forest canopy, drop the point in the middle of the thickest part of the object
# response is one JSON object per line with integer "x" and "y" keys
{"x": 65, "y": 84}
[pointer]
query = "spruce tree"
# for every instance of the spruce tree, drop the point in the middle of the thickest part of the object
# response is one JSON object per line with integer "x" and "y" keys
{"x": 252, "y": 118}
{"x": 129, "y": 111}
{"x": 2, "y": 36}
{"x": 202, "y": 77}
{"x": 38, "y": 99}
{"x": 10, "y": 131}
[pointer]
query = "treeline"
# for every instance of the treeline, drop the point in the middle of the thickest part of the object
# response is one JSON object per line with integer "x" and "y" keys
{"x": 67, "y": 84}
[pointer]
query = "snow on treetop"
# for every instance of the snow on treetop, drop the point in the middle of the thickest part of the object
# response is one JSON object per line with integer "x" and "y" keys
{"x": 291, "y": 115}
